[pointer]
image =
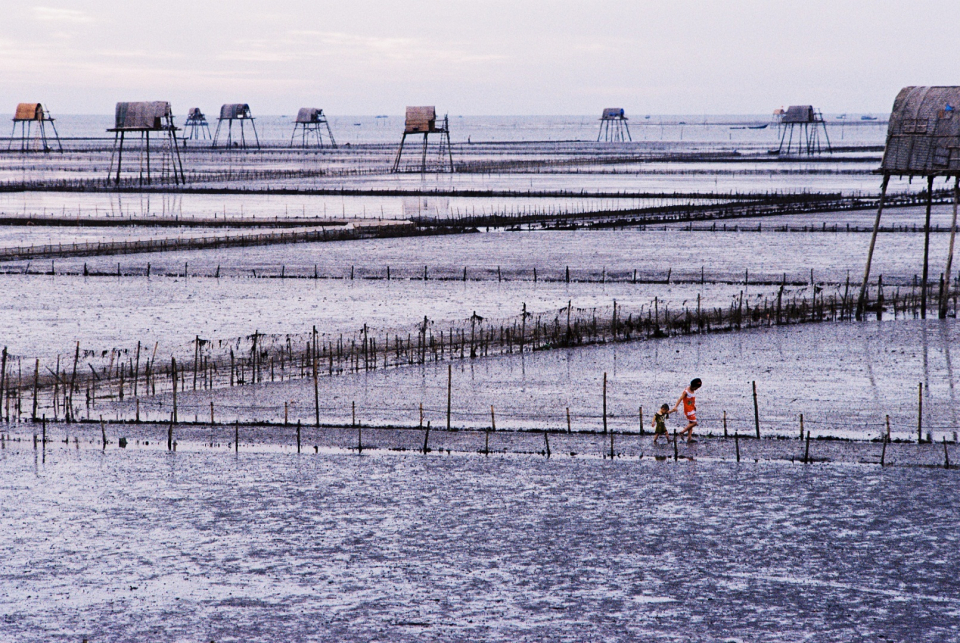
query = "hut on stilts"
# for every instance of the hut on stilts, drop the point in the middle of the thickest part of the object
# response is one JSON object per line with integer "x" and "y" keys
{"x": 32, "y": 119}
{"x": 143, "y": 118}
{"x": 423, "y": 120}
{"x": 613, "y": 126}
{"x": 808, "y": 122}
{"x": 923, "y": 139}
{"x": 310, "y": 123}
{"x": 239, "y": 112}
{"x": 196, "y": 127}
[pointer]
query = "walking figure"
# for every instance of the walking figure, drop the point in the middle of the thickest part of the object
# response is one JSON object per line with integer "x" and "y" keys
{"x": 689, "y": 400}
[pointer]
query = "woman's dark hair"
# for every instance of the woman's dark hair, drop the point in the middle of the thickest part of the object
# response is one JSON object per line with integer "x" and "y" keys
{"x": 695, "y": 383}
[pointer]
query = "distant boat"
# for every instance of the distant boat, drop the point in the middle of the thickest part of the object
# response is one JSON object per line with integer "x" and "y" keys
{"x": 841, "y": 117}
{"x": 764, "y": 126}
{"x": 868, "y": 118}
{"x": 647, "y": 117}
{"x": 381, "y": 116}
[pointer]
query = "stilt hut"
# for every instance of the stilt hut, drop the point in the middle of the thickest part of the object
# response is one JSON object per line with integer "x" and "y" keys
{"x": 923, "y": 139}
{"x": 143, "y": 118}
{"x": 613, "y": 126}
{"x": 310, "y": 123}
{"x": 239, "y": 112}
{"x": 808, "y": 122}
{"x": 196, "y": 126}
{"x": 27, "y": 116}
{"x": 423, "y": 120}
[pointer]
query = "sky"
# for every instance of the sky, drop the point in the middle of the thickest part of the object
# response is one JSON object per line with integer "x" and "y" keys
{"x": 476, "y": 57}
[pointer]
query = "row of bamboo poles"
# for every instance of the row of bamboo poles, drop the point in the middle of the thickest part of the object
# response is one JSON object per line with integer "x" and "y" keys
{"x": 63, "y": 388}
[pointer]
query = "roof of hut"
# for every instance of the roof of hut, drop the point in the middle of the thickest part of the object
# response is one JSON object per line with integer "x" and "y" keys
{"x": 613, "y": 112}
{"x": 421, "y": 119}
{"x": 232, "y": 111}
{"x": 194, "y": 113}
{"x": 923, "y": 136}
{"x": 29, "y": 112}
{"x": 142, "y": 116}
{"x": 799, "y": 114}
{"x": 309, "y": 115}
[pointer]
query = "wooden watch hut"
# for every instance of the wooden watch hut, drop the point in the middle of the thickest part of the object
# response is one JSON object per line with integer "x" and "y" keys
{"x": 808, "y": 122}
{"x": 923, "y": 139}
{"x": 613, "y": 126}
{"x": 143, "y": 118}
{"x": 196, "y": 126}
{"x": 423, "y": 120}
{"x": 27, "y": 116}
{"x": 241, "y": 113}
{"x": 310, "y": 123}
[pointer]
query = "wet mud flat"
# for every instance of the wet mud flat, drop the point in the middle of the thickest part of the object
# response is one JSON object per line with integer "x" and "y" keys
{"x": 266, "y": 545}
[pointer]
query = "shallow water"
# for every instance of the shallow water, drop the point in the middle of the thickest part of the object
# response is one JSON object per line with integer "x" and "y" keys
{"x": 139, "y": 545}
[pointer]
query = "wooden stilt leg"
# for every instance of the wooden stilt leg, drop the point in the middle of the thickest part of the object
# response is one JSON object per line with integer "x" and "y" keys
{"x": 861, "y": 301}
{"x": 945, "y": 294}
{"x": 926, "y": 250}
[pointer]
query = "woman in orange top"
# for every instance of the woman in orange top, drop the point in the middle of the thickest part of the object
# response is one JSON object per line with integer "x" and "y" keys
{"x": 689, "y": 400}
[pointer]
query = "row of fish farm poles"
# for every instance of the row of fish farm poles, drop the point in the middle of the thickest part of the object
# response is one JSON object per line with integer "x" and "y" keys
{"x": 480, "y": 274}
{"x": 268, "y": 433}
{"x": 69, "y": 388}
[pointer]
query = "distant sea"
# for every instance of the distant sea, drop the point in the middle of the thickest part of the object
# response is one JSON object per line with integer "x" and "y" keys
{"x": 850, "y": 130}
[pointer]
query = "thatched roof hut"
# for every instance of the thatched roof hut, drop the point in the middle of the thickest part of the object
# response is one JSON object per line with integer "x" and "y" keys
{"x": 144, "y": 116}
{"x": 421, "y": 119}
{"x": 799, "y": 114}
{"x": 235, "y": 111}
{"x": 923, "y": 135}
{"x": 309, "y": 115}
{"x": 29, "y": 112}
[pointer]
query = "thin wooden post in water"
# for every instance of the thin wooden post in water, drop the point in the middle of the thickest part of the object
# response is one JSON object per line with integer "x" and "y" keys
{"x": 756, "y": 410}
{"x": 676, "y": 452}
{"x": 861, "y": 300}
{"x": 604, "y": 402}
{"x": 920, "y": 413}
{"x": 806, "y": 453}
{"x": 801, "y": 426}
{"x": 946, "y": 456}
{"x": 736, "y": 441}
{"x": 170, "y": 434}
{"x": 449, "y": 392}
{"x": 298, "y": 436}
{"x": 546, "y": 441}
{"x": 641, "y": 420}
{"x": 236, "y": 437}
{"x": 945, "y": 293}
{"x": 926, "y": 250}
{"x": 569, "y": 429}
{"x": 173, "y": 377}
{"x": 426, "y": 438}
{"x": 888, "y": 427}
{"x": 724, "y": 424}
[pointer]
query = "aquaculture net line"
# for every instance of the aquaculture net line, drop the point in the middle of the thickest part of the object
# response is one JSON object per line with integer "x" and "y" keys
{"x": 65, "y": 388}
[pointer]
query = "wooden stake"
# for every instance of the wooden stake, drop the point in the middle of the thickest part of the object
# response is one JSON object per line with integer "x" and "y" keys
{"x": 298, "y": 436}
{"x": 569, "y": 430}
{"x": 449, "y": 392}
{"x": 801, "y": 426}
{"x": 236, "y": 437}
{"x": 426, "y": 438}
{"x": 883, "y": 451}
{"x": 604, "y": 402}
{"x": 806, "y": 453}
{"x": 724, "y": 424}
{"x": 546, "y": 441}
{"x": 920, "y": 413}
{"x": 736, "y": 441}
{"x": 676, "y": 452}
{"x": 641, "y": 421}
{"x": 756, "y": 410}
{"x": 888, "y": 427}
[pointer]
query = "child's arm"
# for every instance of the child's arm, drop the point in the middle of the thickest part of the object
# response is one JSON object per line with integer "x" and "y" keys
{"x": 677, "y": 405}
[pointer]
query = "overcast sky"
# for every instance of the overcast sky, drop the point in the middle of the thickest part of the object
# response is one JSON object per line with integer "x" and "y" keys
{"x": 477, "y": 56}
